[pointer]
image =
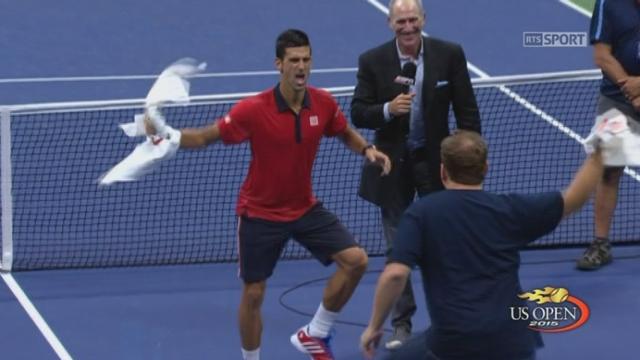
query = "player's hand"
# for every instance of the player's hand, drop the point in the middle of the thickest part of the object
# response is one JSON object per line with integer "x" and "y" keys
{"x": 379, "y": 158}
{"x": 148, "y": 126}
{"x": 155, "y": 123}
{"x": 401, "y": 104}
{"x": 369, "y": 341}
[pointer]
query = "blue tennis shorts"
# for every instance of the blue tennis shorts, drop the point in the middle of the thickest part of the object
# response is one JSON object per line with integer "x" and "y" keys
{"x": 261, "y": 241}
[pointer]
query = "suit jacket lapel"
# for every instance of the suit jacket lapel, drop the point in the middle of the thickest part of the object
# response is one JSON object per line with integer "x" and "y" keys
{"x": 430, "y": 75}
{"x": 394, "y": 68}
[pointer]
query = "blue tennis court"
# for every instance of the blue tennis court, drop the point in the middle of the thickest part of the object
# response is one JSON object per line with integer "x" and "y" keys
{"x": 104, "y": 285}
{"x": 78, "y": 51}
{"x": 189, "y": 311}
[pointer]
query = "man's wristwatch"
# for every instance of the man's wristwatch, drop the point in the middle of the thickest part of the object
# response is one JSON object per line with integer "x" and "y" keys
{"x": 369, "y": 146}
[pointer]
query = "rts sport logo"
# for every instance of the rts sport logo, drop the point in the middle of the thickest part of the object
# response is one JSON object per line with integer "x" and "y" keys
{"x": 552, "y": 310}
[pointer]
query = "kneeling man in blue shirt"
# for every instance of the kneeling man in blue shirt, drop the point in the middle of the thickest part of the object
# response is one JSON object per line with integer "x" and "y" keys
{"x": 466, "y": 242}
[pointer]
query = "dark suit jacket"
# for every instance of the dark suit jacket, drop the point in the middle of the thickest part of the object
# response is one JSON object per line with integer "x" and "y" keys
{"x": 446, "y": 82}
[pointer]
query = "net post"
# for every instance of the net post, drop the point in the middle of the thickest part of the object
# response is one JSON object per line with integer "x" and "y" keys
{"x": 5, "y": 189}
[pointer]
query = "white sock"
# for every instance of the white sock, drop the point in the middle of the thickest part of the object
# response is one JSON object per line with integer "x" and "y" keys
{"x": 322, "y": 322}
{"x": 251, "y": 355}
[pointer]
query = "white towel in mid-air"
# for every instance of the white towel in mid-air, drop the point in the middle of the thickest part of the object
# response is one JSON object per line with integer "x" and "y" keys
{"x": 170, "y": 87}
{"x": 619, "y": 138}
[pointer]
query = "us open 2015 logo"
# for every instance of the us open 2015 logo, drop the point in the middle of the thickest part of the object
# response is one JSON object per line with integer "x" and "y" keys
{"x": 554, "y": 310}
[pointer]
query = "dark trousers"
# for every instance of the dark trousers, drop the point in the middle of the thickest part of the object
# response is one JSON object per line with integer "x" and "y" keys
{"x": 414, "y": 349}
{"x": 405, "y": 308}
{"x": 417, "y": 348}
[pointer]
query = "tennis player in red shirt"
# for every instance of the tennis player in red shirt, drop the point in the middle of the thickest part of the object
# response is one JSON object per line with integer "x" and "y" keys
{"x": 284, "y": 126}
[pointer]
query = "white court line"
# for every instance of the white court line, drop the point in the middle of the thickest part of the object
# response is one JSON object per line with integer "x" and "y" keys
{"x": 522, "y": 101}
{"x": 153, "y": 77}
{"x": 379, "y": 6}
{"x": 577, "y": 8}
{"x": 35, "y": 316}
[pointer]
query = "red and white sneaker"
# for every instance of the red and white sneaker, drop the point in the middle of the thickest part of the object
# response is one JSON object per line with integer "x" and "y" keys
{"x": 316, "y": 348}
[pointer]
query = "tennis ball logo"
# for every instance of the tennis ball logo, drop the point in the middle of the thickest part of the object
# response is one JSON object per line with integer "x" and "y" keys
{"x": 555, "y": 310}
{"x": 559, "y": 295}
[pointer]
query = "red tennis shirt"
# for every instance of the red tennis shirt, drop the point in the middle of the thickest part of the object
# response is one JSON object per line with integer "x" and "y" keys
{"x": 283, "y": 149}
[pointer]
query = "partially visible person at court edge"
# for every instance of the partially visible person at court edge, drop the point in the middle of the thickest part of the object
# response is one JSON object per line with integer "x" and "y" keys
{"x": 615, "y": 36}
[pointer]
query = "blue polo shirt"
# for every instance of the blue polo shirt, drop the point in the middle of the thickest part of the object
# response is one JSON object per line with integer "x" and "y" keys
{"x": 466, "y": 243}
{"x": 617, "y": 23}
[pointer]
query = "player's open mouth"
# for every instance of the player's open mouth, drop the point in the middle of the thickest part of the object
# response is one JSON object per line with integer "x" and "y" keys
{"x": 300, "y": 79}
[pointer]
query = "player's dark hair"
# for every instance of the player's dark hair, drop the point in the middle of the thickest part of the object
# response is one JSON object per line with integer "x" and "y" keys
{"x": 290, "y": 38}
{"x": 464, "y": 156}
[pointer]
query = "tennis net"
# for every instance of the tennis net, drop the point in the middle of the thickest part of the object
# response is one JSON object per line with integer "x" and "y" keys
{"x": 54, "y": 215}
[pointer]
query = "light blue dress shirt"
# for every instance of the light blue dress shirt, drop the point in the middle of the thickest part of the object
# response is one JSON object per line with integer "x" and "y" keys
{"x": 416, "y": 138}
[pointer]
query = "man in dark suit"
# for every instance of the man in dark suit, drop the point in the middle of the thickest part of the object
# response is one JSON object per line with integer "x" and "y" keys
{"x": 409, "y": 125}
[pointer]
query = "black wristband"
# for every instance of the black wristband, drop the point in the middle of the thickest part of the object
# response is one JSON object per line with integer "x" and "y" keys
{"x": 369, "y": 146}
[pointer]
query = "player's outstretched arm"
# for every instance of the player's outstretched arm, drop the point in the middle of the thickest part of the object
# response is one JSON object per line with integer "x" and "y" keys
{"x": 191, "y": 138}
{"x": 194, "y": 138}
